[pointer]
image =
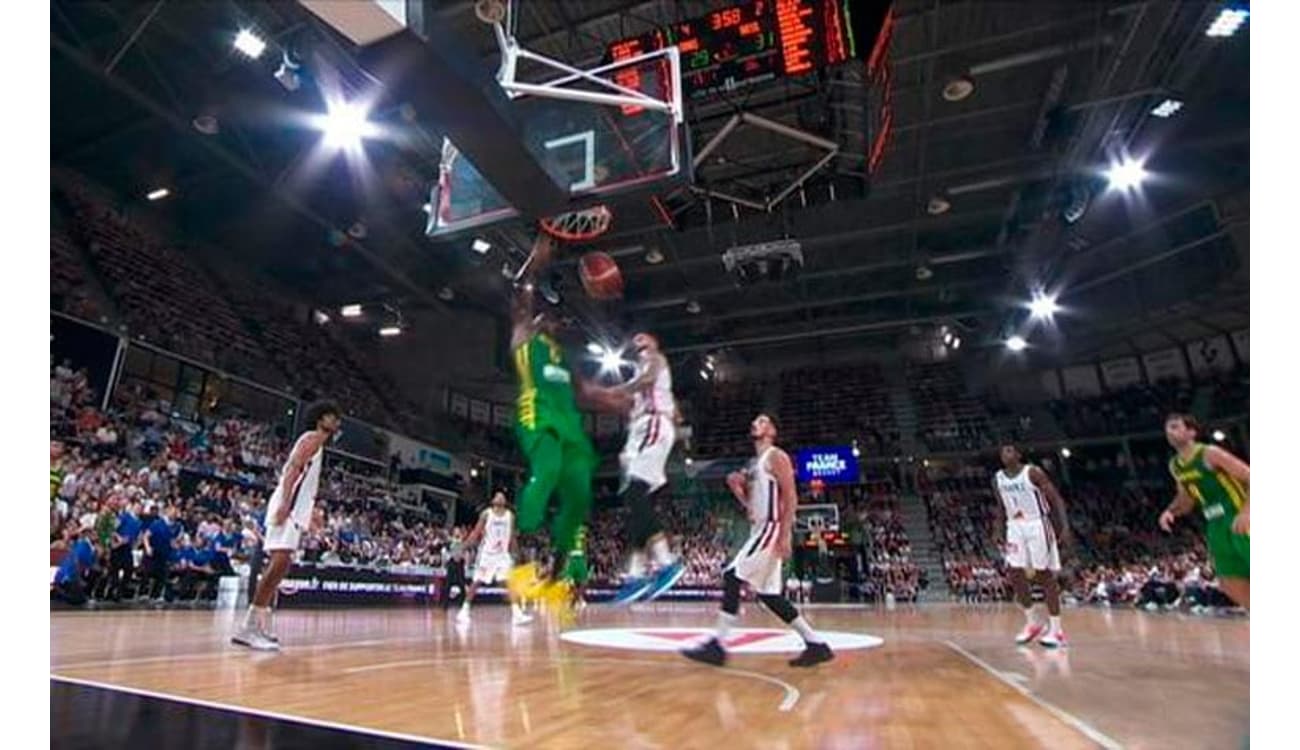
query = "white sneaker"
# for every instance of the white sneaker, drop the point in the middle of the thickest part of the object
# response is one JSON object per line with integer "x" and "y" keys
{"x": 462, "y": 616}
{"x": 1054, "y": 640}
{"x": 521, "y": 618}
{"x": 1031, "y": 631}
{"x": 252, "y": 638}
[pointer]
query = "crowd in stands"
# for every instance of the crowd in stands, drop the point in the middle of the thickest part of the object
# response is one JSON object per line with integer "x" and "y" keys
{"x": 951, "y": 419}
{"x": 69, "y": 287}
{"x": 825, "y": 406}
{"x": 1140, "y": 407}
{"x": 870, "y": 512}
{"x": 721, "y": 415}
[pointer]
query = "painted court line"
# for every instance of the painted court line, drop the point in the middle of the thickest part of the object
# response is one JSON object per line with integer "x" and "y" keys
{"x": 228, "y": 649}
{"x": 1083, "y": 727}
{"x": 269, "y": 714}
{"x": 788, "y": 701}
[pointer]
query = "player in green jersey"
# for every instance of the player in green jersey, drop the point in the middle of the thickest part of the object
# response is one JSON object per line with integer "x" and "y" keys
{"x": 1211, "y": 478}
{"x": 548, "y": 425}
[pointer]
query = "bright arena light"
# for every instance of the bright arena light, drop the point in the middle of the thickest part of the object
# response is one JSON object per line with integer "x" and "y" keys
{"x": 1126, "y": 175}
{"x": 159, "y": 194}
{"x": 388, "y": 331}
{"x": 611, "y": 361}
{"x": 595, "y": 348}
{"x": 1016, "y": 343}
{"x": 480, "y": 245}
{"x": 1219, "y": 437}
{"x": 250, "y": 44}
{"x": 345, "y": 125}
{"x": 1228, "y": 21}
{"x": 350, "y": 311}
{"x": 1043, "y": 306}
{"x": 1065, "y": 453}
{"x": 1167, "y": 108}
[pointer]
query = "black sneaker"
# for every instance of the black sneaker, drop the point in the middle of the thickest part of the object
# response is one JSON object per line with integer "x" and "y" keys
{"x": 709, "y": 653}
{"x": 813, "y": 654}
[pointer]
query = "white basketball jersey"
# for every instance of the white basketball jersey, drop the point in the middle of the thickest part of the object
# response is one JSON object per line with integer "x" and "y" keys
{"x": 496, "y": 533}
{"x": 302, "y": 495}
{"x": 657, "y": 399}
{"x": 762, "y": 491}
{"x": 1021, "y": 498}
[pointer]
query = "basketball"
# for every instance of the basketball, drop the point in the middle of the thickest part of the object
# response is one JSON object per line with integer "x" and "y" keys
{"x": 600, "y": 276}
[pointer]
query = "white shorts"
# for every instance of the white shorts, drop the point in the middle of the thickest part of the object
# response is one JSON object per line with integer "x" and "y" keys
{"x": 649, "y": 441}
{"x": 1031, "y": 545}
{"x": 285, "y": 536}
{"x": 756, "y": 565}
{"x": 492, "y": 568}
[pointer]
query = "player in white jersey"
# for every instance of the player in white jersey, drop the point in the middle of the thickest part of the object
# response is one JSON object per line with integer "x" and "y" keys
{"x": 766, "y": 490}
{"x": 651, "y": 432}
{"x": 495, "y": 535}
{"x": 289, "y": 512}
{"x": 1035, "y": 527}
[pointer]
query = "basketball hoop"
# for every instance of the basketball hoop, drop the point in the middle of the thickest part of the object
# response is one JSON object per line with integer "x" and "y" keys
{"x": 578, "y": 226}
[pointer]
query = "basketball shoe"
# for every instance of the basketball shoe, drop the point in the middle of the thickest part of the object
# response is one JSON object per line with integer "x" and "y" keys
{"x": 1054, "y": 639}
{"x": 710, "y": 652}
{"x": 1030, "y": 632}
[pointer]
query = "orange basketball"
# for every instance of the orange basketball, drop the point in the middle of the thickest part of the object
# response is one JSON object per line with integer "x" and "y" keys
{"x": 600, "y": 276}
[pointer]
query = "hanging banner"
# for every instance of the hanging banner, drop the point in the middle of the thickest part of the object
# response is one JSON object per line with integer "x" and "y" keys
{"x": 417, "y": 455}
{"x": 480, "y": 411}
{"x": 1051, "y": 381}
{"x": 1121, "y": 372}
{"x": 459, "y": 405}
{"x": 1081, "y": 380}
{"x": 1167, "y": 363}
{"x": 1241, "y": 341}
{"x": 1211, "y": 355}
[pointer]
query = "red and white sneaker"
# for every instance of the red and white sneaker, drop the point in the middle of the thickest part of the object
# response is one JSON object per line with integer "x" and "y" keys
{"x": 1030, "y": 632}
{"x": 1054, "y": 640}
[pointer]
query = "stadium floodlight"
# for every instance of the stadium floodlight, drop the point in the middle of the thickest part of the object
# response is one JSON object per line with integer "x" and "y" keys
{"x": 956, "y": 342}
{"x": 389, "y": 331}
{"x": 1126, "y": 174}
{"x": 159, "y": 194}
{"x": 480, "y": 245}
{"x": 595, "y": 349}
{"x": 345, "y": 125}
{"x": 250, "y": 44}
{"x": 1166, "y": 109}
{"x": 1227, "y": 22}
{"x": 350, "y": 311}
{"x": 1043, "y": 306}
{"x": 704, "y": 374}
{"x": 1065, "y": 453}
{"x": 1016, "y": 343}
{"x": 1219, "y": 437}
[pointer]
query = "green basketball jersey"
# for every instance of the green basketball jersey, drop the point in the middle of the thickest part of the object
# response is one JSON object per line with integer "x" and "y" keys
{"x": 546, "y": 396}
{"x": 1216, "y": 492}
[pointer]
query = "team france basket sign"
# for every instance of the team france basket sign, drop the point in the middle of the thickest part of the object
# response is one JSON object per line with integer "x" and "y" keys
{"x": 830, "y": 464}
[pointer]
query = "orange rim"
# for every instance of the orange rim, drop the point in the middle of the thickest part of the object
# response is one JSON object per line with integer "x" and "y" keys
{"x": 576, "y": 226}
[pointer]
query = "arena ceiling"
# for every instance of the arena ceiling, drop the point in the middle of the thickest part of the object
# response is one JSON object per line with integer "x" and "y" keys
{"x": 1061, "y": 89}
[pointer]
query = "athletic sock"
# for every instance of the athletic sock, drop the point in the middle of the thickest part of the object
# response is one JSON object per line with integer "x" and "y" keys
{"x": 660, "y": 552}
{"x": 1055, "y": 623}
{"x": 805, "y": 630}
{"x": 636, "y": 566}
{"x": 725, "y": 621}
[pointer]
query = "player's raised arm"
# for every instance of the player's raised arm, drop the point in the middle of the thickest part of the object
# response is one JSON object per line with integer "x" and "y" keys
{"x": 1060, "y": 518}
{"x": 655, "y": 364}
{"x": 522, "y": 305}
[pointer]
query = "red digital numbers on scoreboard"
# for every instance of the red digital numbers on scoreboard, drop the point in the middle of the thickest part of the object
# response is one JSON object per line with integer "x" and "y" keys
{"x": 793, "y": 24}
{"x": 724, "y": 19}
{"x": 750, "y": 29}
{"x": 628, "y": 77}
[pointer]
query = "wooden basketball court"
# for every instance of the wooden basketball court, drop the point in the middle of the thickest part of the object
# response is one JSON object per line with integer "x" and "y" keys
{"x": 945, "y": 676}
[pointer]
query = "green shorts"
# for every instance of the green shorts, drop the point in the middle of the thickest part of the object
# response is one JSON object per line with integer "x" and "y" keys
{"x": 1230, "y": 552}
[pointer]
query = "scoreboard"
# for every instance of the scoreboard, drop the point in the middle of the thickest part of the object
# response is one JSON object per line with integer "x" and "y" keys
{"x": 758, "y": 41}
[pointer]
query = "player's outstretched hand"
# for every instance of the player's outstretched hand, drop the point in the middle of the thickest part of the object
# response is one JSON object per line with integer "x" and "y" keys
{"x": 1167, "y": 522}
